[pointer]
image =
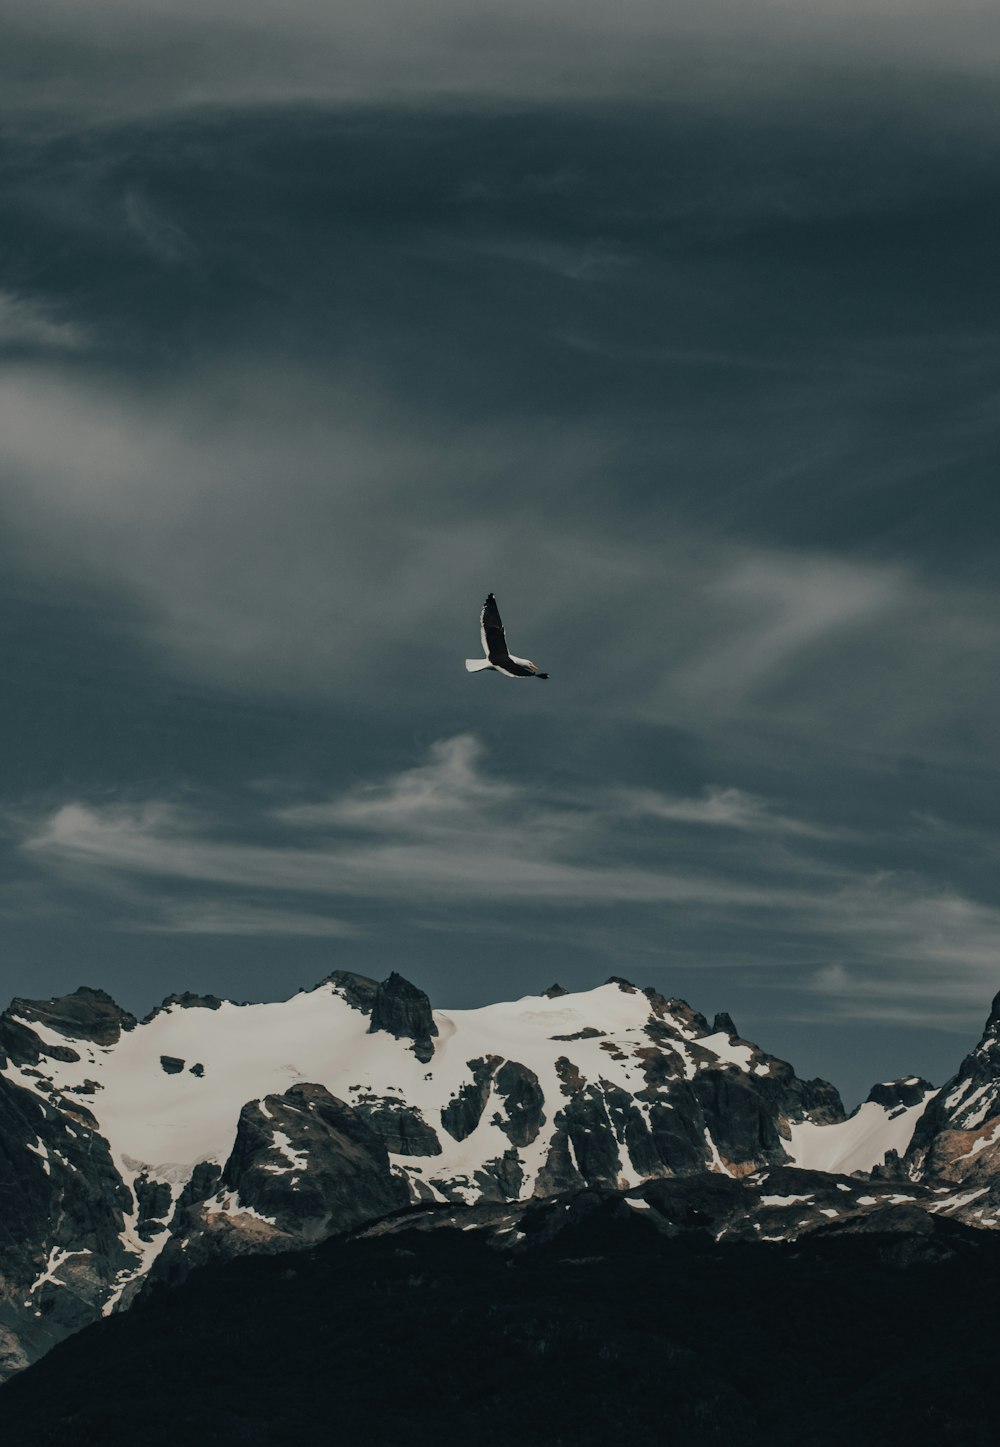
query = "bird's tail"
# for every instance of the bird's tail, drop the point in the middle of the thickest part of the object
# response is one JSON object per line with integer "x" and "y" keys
{"x": 476, "y": 665}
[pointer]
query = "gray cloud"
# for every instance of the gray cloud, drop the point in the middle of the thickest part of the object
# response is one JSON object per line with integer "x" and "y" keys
{"x": 723, "y": 808}
{"x": 225, "y": 917}
{"x": 180, "y": 53}
{"x": 26, "y": 323}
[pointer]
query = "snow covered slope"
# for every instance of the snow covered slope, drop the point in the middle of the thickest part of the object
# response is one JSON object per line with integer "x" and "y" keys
{"x": 881, "y": 1125}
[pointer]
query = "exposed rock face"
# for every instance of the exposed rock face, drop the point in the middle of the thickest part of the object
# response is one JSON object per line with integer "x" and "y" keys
{"x": 358, "y": 990}
{"x": 404, "y": 1011}
{"x": 465, "y": 1110}
{"x": 155, "y": 1202}
{"x": 85, "y": 1015}
{"x": 187, "y": 1000}
{"x": 309, "y": 1161}
{"x": 957, "y": 1138}
{"x": 304, "y": 1166}
{"x": 900, "y": 1094}
{"x": 64, "y": 1213}
{"x": 401, "y": 1127}
{"x": 519, "y": 1101}
{"x": 522, "y": 1116}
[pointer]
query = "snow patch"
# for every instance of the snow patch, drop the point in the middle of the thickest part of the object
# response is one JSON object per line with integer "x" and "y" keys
{"x": 858, "y": 1143}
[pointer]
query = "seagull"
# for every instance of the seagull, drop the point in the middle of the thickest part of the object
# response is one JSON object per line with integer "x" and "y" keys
{"x": 495, "y": 647}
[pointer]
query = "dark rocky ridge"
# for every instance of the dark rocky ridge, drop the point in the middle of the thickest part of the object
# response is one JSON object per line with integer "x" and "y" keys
{"x": 895, "y": 1093}
{"x": 186, "y": 1000}
{"x": 86, "y": 1014}
{"x": 304, "y": 1166}
{"x": 358, "y": 990}
{"x": 64, "y": 1204}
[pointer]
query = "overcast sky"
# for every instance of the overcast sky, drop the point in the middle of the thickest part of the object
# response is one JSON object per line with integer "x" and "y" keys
{"x": 676, "y": 327}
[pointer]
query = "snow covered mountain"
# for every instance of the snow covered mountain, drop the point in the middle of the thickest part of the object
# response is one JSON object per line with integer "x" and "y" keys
{"x": 131, "y": 1150}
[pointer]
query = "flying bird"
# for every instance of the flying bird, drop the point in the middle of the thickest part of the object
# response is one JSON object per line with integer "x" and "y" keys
{"x": 498, "y": 658}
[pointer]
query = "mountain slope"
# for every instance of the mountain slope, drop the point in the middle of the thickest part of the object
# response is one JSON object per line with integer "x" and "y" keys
{"x": 135, "y": 1150}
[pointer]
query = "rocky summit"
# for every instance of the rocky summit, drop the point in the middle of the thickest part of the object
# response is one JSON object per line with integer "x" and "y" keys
{"x": 132, "y": 1151}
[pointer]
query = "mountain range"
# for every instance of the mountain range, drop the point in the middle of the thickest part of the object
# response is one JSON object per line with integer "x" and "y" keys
{"x": 133, "y": 1152}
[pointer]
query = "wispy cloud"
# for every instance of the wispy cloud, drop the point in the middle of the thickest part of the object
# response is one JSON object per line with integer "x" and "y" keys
{"x": 444, "y": 830}
{"x": 28, "y": 323}
{"x": 915, "y": 954}
{"x": 446, "y": 834}
{"x": 497, "y": 865}
{"x": 449, "y": 789}
{"x": 722, "y": 808}
{"x": 783, "y": 609}
{"x": 222, "y": 917}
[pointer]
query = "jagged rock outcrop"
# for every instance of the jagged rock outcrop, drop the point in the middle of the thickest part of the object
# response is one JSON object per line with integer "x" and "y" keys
{"x": 404, "y": 1011}
{"x": 957, "y": 1139}
{"x": 358, "y": 990}
{"x": 311, "y": 1163}
{"x": 86, "y": 1014}
{"x": 401, "y": 1127}
{"x": 896, "y": 1095}
{"x": 464, "y": 1111}
{"x": 304, "y": 1166}
{"x": 186, "y": 1000}
{"x": 64, "y": 1209}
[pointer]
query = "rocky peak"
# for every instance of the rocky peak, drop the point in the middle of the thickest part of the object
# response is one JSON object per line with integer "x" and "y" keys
{"x": 899, "y": 1094}
{"x": 87, "y": 1014}
{"x": 186, "y": 1000}
{"x": 404, "y": 1011}
{"x": 311, "y": 1163}
{"x": 993, "y": 1022}
{"x": 678, "y": 1010}
{"x": 358, "y": 990}
{"x": 958, "y": 1136}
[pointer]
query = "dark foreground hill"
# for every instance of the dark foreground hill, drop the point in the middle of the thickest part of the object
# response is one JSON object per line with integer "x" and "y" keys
{"x": 602, "y": 1331}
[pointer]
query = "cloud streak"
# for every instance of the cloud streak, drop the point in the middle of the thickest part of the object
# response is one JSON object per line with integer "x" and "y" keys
{"x": 239, "y": 919}
{"x": 723, "y": 809}
{"x": 447, "y": 835}
{"x": 30, "y": 325}
{"x": 181, "y": 53}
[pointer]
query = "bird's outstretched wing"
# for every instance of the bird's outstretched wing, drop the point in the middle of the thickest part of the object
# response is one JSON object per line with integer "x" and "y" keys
{"x": 494, "y": 638}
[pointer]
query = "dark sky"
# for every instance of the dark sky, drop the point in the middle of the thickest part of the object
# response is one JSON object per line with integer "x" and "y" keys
{"x": 675, "y": 327}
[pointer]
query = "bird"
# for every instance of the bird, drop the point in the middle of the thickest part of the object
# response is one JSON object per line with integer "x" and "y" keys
{"x": 495, "y": 647}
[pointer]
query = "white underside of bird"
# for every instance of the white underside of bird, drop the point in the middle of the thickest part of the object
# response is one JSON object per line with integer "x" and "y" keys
{"x": 482, "y": 665}
{"x": 498, "y": 658}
